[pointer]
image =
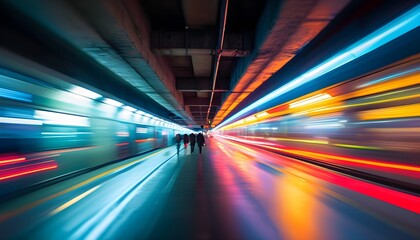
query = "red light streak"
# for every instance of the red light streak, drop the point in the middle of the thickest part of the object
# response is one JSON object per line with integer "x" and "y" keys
{"x": 400, "y": 199}
{"x": 144, "y": 140}
{"x": 347, "y": 159}
{"x": 11, "y": 159}
{"x": 278, "y": 109}
{"x": 396, "y": 198}
{"x": 330, "y": 157}
{"x": 121, "y": 144}
{"x": 21, "y": 171}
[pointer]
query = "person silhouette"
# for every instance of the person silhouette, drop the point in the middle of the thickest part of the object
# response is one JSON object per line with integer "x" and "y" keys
{"x": 192, "y": 142}
{"x": 178, "y": 139}
{"x": 186, "y": 141}
{"x": 200, "y": 142}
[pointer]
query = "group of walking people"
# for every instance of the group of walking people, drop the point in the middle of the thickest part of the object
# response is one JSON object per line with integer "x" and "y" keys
{"x": 191, "y": 139}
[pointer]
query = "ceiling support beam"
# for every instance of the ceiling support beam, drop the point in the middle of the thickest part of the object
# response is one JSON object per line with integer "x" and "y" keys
{"x": 200, "y": 84}
{"x": 196, "y": 101}
{"x": 222, "y": 28}
{"x": 199, "y": 42}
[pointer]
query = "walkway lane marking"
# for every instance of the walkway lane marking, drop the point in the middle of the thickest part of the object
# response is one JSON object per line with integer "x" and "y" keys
{"x": 6, "y": 216}
{"x": 73, "y": 201}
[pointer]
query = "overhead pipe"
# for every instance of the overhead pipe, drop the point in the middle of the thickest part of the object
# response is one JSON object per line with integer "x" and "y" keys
{"x": 219, "y": 49}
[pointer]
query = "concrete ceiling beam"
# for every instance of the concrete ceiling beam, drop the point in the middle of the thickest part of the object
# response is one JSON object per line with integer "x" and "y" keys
{"x": 199, "y": 84}
{"x": 199, "y": 42}
{"x": 191, "y": 101}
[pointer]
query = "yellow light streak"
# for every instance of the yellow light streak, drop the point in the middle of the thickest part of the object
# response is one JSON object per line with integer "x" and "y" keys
{"x": 411, "y": 110}
{"x": 73, "y": 201}
{"x": 262, "y": 114}
{"x": 18, "y": 211}
{"x": 311, "y": 100}
{"x": 347, "y": 159}
{"x": 357, "y": 146}
{"x": 337, "y": 108}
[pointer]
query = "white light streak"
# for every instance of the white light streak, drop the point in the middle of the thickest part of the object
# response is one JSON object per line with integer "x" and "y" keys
{"x": 112, "y": 102}
{"x": 310, "y": 100}
{"x": 85, "y": 92}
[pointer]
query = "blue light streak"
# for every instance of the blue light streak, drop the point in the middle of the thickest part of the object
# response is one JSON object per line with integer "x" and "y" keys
{"x": 15, "y": 95}
{"x": 388, "y": 78}
{"x": 394, "y": 29}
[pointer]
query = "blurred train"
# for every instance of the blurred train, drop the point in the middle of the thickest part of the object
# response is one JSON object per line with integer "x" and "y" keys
{"x": 47, "y": 132}
{"x": 369, "y": 125}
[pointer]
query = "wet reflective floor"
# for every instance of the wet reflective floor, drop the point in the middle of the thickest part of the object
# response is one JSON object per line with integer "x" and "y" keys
{"x": 240, "y": 192}
{"x": 231, "y": 191}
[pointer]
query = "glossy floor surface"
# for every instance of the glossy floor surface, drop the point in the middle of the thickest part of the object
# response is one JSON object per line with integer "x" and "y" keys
{"x": 230, "y": 191}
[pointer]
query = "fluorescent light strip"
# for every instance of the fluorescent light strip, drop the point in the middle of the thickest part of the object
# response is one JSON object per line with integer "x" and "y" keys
{"x": 140, "y": 112}
{"x": 394, "y": 29}
{"x": 310, "y": 100}
{"x": 112, "y": 102}
{"x": 22, "y": 121}
{"x": 262, "y": 114}
{"x": 54, "y": 118}
{"x": 85, "y": 92}
{"x": 130, "y": 109}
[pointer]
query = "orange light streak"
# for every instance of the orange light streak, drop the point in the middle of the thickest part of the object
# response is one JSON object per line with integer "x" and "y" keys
{"x": 394, "y": 197}
{"x": 327, "y": 157}
{"x": 11, "y": 160}
{"x": 144, "y": 140}
{"x": 121, "y": 144}
{"x": 348, "y": 159}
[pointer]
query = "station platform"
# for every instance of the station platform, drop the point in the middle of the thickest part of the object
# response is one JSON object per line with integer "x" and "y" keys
{"x": 230, "y": 191}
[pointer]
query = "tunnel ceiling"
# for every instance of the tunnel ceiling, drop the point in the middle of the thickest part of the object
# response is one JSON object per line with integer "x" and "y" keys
{"x": 260, "y": 38}
{"x": 186, "y": 33}
{"x": 168, "y": 50}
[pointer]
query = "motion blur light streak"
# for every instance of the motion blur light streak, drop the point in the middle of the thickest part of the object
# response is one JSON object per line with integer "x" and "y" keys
{"x": 102, "y": 220}
{"x": 130, "y": 109}
{"x": 400, "y": 199}
{"x": 300, "y": 140}
{"x": 43, "y": 157}
{"x": 325, "y": 126}
{"x": 11, "y": 94}
{"x": 20, "y": 121}
{"x": 327, "y": 157}
{"x": 348, "y": 159}
{"x": 54, "y": 118}
{"x": 61, "y": 151}
{"x": 388, "y": 78}
{"x": 10, "y": 159}
{"x": 73, "y": 201}
{"x": 248, "y": 141}
{"x": 85, "y": 92}
{"x": 112, "y": 102}
{"x": 412, "y": 110}
{"x": 145, "y": 140}
{"x": 121, "y": 144}
{"x": 357, "y": 146}
{"x": 310, "y": 100}
{"x": 72, "y": 188}
{"x": 21, "y": 171}
{"x": 262, "y": 114}
{"x": 390, "y": 31}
